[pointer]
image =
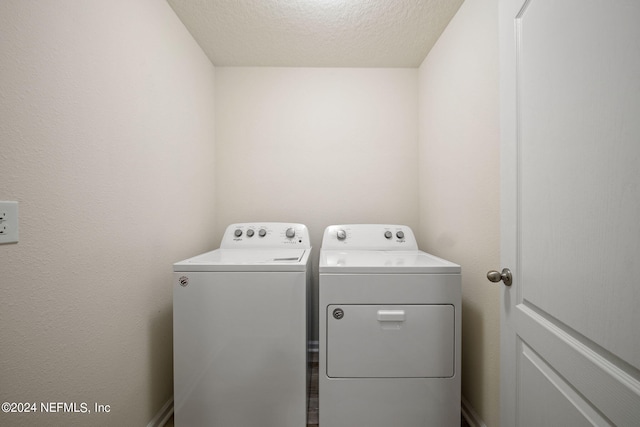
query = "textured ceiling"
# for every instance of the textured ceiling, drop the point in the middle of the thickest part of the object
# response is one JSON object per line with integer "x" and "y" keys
{"x": 316, "y": 33}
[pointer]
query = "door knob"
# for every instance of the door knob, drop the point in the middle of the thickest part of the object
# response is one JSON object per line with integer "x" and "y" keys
{"x": 505, "y": 276}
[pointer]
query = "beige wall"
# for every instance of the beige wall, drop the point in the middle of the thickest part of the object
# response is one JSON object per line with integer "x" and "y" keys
{"x": 459, "y": 184}
{"x": 319, "y": 146}
{"x": 106, "y": 140}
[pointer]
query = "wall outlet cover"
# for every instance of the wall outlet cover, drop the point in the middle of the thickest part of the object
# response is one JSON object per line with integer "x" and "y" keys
{"x": 8, "y": 222}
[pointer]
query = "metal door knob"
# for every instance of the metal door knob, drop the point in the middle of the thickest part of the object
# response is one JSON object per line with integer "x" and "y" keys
{"x": 505, "y": 276}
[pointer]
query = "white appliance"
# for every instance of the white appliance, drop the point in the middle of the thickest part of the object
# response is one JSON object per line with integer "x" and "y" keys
{"x": 389, "y": 330}
{"x": 240, "y": 322}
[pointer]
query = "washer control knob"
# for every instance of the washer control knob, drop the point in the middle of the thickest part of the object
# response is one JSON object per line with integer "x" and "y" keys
{"x": 400, "y": 234}
{"x": 238, "y": 232}
{"x": 262, "y": 232}
{"x": 341, "y": 234}
{"x": 250, "y": 233}
{"x": 388, "y": 234}
{"x": 290, "y": 233}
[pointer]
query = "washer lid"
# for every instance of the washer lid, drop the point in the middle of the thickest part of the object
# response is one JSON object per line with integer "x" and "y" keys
{"x": 247, "y": 260}
{"x": 381, "y": 262}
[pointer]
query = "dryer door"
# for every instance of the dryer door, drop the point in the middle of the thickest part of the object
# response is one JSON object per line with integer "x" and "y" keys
{"x": 390, "y": 341}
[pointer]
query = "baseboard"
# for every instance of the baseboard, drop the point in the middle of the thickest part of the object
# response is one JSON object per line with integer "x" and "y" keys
{"x": 163, "y": 415}
{"x": 470, "y": 415}
{"x": 312, "y": 346}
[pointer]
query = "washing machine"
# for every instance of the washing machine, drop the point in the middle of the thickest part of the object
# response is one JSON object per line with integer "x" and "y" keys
{"x": 240, "y": 329}
{"x": 389, "y": 330}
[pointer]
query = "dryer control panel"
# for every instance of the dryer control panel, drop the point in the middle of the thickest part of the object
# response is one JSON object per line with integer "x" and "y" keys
{"x": 266, "y": 235}
{"x": 374, "y": 237}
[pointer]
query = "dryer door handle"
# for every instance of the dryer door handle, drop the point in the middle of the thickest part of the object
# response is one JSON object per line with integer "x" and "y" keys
{"x": 391, "y": 316}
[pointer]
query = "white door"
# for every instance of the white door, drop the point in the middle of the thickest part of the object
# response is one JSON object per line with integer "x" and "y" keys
{"x": 570, "y": 100}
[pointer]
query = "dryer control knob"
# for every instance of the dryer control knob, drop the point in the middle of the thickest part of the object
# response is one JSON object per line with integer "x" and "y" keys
{"x": 238, "y": 232}
{"x": 262, "y": 232}
{"x": 250, "y": 233}
{"x": 400, "y": 234}
{"x": 290, "y": 233}
{"x": 388, "y": 234}
{"x": 341, "y": 234}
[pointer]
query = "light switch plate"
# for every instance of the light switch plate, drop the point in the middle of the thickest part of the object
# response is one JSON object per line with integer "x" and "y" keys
{"x": 8, "y": 222}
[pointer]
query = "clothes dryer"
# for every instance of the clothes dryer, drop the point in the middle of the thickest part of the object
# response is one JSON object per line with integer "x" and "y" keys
{"x": 240, "y": 321}
{"x": 390, "y": 318}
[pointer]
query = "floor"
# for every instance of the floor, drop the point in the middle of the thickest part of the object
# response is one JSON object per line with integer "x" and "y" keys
{"x": 312, "y": 414}
{"x": 312, "y": 408}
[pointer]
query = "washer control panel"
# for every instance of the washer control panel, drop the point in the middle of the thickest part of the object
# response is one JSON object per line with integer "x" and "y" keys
{"x": 378, "y": 237}
{"x": 266, "y": 235}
